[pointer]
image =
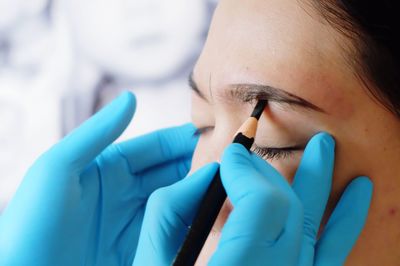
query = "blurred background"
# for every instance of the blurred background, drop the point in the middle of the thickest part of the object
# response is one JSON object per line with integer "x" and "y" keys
{"x": 62, "y": 60}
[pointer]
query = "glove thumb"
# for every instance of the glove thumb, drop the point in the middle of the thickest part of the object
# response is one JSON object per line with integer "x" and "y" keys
{"x": 82, "y": 145}
{"x": 169, "y": 212}
{"x": 259, "y": 214}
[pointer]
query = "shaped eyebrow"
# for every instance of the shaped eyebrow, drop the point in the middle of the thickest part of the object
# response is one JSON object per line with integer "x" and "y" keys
{"x": 252, "y": 92}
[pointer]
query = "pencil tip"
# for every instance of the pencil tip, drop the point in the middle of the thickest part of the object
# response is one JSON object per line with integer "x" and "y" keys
{"x": 258, "y": 110}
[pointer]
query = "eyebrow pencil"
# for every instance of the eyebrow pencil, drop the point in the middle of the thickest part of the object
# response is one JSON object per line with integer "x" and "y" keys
{"x": 215, "y": 197}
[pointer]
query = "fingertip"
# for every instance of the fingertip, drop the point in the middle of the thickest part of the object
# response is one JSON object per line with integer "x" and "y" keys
{"x": 235, "y": 159}
{"x": 212, "y": 166}
{"x": 363, "y": 185}
{"x": 191, "y": 130}
{"x": 128, "y": 96}
{"x": 355, "y": 200}
{"x": 205, "y": 173}
{"x": 365, "y": 181}
{"x": 319, "y": 156}
{"x": 88, "y": 140}
{"x": 127, "y": 100}
{"x": 131, "y": 99}
{"x": 325, "y": 138}
{"x": 235, "y": 151}
{"x": 118, "y": 113}
{"x": 190, "y": 127}
{"x": 208, "y": 169}
{"x": 239, "y": 175}
{"x": 122, "y": 106}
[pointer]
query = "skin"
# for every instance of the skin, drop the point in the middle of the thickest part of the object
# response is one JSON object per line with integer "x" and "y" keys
{"x": 287, "y": 44}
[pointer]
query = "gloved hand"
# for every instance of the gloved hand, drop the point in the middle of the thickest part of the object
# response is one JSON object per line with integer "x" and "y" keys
{"x": 281, "y": 222}
{"x": 169, "y": 213}
{"x": 272, "y": 223}
{"x": 82, "y": 202}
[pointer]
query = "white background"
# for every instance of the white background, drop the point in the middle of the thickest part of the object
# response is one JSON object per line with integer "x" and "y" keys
{"x": 62, "y": 60}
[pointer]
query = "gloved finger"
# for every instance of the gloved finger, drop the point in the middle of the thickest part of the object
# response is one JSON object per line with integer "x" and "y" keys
{"x": 160, "y": 147}
{"x": 169, "y": 212}
{"x": 260, "y": 208}
{"x": 345, "y": 224}
{"x": 162, "y": 175}
{"x": 293, "y": 232}
{"x": 274, "y": 176}
{"x": 88, "y": 140}
{"x": 312, "y": 184}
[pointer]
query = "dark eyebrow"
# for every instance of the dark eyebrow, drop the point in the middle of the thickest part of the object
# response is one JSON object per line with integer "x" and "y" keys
{"x": 255, "y": 92}
{"x": 249, "y": 93}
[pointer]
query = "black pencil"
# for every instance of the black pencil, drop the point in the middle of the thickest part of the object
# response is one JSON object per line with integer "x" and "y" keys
{"x": 214, "y": 198}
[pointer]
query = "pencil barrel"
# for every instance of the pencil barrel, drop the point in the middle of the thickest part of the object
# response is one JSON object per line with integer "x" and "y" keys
{"x": 245, "y": 141}
{"x": 202, "y": 223}
{"x": 214, "y": 198}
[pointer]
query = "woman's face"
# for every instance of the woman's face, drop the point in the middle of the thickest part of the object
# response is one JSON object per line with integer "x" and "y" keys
{"x": 287, "y": 50}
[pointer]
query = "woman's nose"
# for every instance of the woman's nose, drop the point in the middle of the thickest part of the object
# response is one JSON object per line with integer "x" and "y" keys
{"x": 210, "y": 148}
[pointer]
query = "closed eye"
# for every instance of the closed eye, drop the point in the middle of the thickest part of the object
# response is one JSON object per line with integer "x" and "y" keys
{"x": 202, "y": 130}
{"x": 269, "y": 153}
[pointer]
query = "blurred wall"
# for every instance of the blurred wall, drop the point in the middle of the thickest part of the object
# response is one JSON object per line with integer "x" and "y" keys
{"x": 62, "y": 60}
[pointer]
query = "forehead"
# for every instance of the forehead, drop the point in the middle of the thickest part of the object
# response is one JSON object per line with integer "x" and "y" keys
{"x": 282, "y": 43}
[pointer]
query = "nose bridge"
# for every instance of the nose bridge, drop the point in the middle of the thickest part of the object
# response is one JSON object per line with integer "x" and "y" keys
{"x": 210, "y": 148}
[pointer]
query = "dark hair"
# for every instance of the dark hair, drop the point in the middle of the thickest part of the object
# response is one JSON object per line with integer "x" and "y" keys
{"x": 373, "y": 27}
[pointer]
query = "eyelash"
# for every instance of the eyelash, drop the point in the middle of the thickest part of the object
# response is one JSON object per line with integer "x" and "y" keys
{"x": 202, "y": 130}
{"x": 264, "y": 152}
{"x": 274, "y": 153}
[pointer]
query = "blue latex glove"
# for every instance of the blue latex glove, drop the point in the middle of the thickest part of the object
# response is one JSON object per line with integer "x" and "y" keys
{"x": 82, "y": 202}
{"x": 169, "y": 212}
{"x": 272, "y": 223}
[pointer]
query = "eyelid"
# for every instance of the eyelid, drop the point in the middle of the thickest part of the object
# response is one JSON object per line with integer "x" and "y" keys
{"x": 267, "y": 153}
